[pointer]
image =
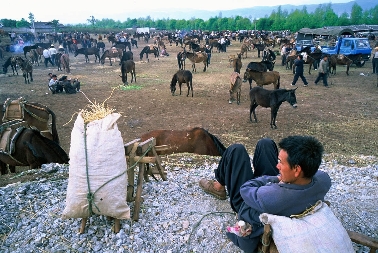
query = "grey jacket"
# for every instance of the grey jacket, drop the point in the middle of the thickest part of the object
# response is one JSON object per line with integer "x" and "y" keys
{"x": 323, "y": 66}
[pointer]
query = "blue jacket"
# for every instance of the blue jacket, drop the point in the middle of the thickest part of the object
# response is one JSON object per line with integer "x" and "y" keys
{"x": 298, "y": 63}
{"x": 266, "y": 195}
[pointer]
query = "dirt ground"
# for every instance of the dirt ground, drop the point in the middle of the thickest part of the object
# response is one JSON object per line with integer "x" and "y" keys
{"x": 343, "y": 117}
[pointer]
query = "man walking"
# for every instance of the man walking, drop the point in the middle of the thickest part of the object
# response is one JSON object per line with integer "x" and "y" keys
{"x": 323, "y": 71}
{"x": 46, "y": 55}
{"x": 298, "y": 65}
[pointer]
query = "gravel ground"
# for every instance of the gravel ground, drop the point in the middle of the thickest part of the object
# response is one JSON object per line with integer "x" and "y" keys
{"x": 176, "y": 215}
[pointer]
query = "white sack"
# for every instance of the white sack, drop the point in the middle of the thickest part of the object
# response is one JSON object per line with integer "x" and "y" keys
{"x": 106, "y": 160}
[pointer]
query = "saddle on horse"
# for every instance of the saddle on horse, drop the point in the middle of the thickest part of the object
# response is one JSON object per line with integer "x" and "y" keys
{"x": 12, "y": 110}
{"x": 9, "y": 132}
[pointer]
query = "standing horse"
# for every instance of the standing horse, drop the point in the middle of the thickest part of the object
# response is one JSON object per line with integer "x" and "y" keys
{"x": 124, "y": 45}
{"x": 64, "y": 60}
{"x": 35, "y": 114}
{"x": 34, "y": 56}
{"x": 27, "y": 69}
{"x": 31, "y": 149}
{"x": 340, "y": 59}
{"x": 101, "y": 46}
{"x": 237, "y": 63}
{"x": 88, "y": 51}
{"x": 272, "y": 99}
{"x": 182, "y": 76}
{"x": 262, "y": 78}
{"x": 27, "y": 49}
{"x": 196, "y": 58}
{"x": 149, "y": 50}
{"x": 235, "y": 87}
{"x": 128, "y": 67}
{"x": 111, "y": 53}
{"x": 181, "y": 60}
{"x": 196, "y": 140}
{"x": 134, "y": 43}
{"x": 12, "y": 62}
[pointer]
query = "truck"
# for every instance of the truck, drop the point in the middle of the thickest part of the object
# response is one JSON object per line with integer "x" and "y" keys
{"x": 351, "y": 46}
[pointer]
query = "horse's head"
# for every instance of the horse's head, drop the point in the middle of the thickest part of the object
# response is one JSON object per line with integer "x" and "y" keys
{"x": 246, "y": 75}
{"x": 173, "y": 84}
{"x": 292, "y": 98}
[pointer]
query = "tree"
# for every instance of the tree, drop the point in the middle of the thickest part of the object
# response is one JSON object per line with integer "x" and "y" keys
{"x": 54, "y": 23}
{"x": 356, "y": 15}
{"x": 22, "y": 23}
{"x": 92, "y": 20}
{"x": 31, "y": 19}
{"x": 8, "y": 22}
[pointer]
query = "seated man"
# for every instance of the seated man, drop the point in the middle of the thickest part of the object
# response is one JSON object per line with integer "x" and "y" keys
{"x": 71, "y": 88}
{"x": 54, "y": 85}
{"x": 298, "y": 186}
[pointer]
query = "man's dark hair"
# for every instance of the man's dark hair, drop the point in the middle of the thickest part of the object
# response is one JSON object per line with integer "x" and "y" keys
{"x": 305, "y": 151}
{"x": 300, "y": 56}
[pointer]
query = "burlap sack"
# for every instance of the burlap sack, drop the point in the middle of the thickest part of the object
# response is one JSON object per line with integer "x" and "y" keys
{"x": 106, "y": 167}
{"x": 320, "y": 232}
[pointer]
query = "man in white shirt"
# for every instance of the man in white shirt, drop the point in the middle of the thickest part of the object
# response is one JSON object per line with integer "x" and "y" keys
{"x": 46, "y": 55}
{"x": 375, "y": 60}
{"x": 52, "y": 52}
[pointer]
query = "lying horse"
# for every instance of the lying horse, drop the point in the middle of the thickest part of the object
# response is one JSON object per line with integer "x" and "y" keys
{"x": 30, "y": 148}
{"x": 196, "y": 140}
{"x": 149, "y": 50}
{"x": 182, "y": 76}
{"x": 262, "y": 78}
{"x": 111, "y": 53}
{"x": 35, "y": 114}
{"x": 128, "y": 67}
{"x": 272, "y": 99}
{"x": 235, "y": 87}
{"x": 88, "y": 51}
{"x": 195, "y": 58}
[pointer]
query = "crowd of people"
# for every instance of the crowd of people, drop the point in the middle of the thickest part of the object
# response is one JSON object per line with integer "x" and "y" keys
{"x": 64, "y": 83}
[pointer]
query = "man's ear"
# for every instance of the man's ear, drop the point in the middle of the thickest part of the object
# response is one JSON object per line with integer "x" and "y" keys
{"x": 298, "y": 171}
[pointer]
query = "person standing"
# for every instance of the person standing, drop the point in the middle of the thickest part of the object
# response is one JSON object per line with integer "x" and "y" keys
{"x": 52, "y": 52}
{"x": 323, "y": 71}
{"x": 208, "y": 52}
{"x": 283, "y": 55}
{"x": 298, "y": 65}
{"x": 46, "y": 55}
{"x": 284, "y": 186}
{"x": 375, "y": 61}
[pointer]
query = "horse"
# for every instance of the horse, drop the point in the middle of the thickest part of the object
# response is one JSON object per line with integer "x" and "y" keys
{"x": 340, "y": 59}
{"x": 27, "y": 69}
{"x": 127, "y": 67}
{"x": 64, "y": 60}
{"x": 88, "y": 51}
{"x": 195, "y": 140}
{"x": 12, "y": 62}
{"x": 259, "y": 47}
{"x": 127, "y": 56}
{"x": 244, "y": 49}
{"x": 237, "y": 63}
{"x": 182, "y": 76}
{"x": 195, "y": 58}
{"x": 134, "y": 43}
{"x": 27, "y": 49}
{"x": 272, "y": 99}
{"x": 124, "y": 44}
{"x": 181, "y": 60}
{"x": 35, "y": 114}
{"x": 262, "y": 78}
{"x": 101, "y": 46}
{"x": 262, "y": 66}
{"x": 149, "y": 50}
{"x": 29, "y": 148}
{"x": 235, "y": 87}
{"x": 111, "y": 53}
{"x": 34, "y": 56}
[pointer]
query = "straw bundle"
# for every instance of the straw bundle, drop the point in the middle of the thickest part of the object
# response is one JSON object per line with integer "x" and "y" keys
{"x": 95, "y": 112}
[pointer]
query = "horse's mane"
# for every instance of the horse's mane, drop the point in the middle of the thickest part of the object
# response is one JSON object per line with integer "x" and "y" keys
{"x": 144, "y": 50}
{"x": 52, "y": 145}
{"x": 220, "y": 147}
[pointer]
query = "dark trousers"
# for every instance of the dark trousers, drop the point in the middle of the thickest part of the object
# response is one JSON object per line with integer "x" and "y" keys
{"x": 47, "y": 60}
{"x": 208, "y": 58}
{"x": 296, "y": 77}
{"x": 234, "y": 168}
{"x": 322, "y": 76}
{"x": 375, "y": 65}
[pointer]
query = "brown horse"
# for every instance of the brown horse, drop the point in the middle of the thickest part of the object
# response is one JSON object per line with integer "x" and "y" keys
{"x": 35, "y": 114}
{"x": 149, "y": 50}
{"x": 182, "y": 76}
{"x": 88, "y": 51}
{"x": 196, "y": 58}
{"x": 111, "y": 53}
{"x": 196, "y": 140}
{"x": 30, "y": 148}
{"x": 235, "y": 87}
{"x": 127, "y": 67}
{"x": 340, "y": 59}
{"x": 262, "y": 78}
{"x": 237, "y": 63}
{"x": 27, "y": 69}
{"x": 65, "y": 63}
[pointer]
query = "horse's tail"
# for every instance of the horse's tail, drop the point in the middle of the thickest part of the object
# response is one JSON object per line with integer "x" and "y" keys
{"x": 220, "y": 147}
{"x": 278, "y": 82}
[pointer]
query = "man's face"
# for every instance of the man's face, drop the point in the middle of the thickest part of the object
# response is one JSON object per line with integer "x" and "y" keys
{"x": 288, "y": 174}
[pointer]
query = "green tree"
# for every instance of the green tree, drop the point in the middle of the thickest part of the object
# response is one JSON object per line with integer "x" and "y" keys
{"x": 92, "y": 20}
{"x": 8, "y": 22}
{"x": 356, "y": 14}
{"x": 343, "y": 20}
{"x": 31, "y": 19}
{"x": 22, "y": 23}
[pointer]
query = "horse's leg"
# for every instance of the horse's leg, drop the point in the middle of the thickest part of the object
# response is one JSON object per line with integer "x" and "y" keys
{"x": 347, "y": 70}
{"x": 274, "y": 111}
{"x": 204, "y": 63}
{"x": 180, "y": 83}
{"x": 252, "y": 110}
{"x": 238, "y": 97}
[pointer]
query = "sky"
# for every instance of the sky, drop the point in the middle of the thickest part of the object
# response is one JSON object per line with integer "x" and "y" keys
{"x": 74, "y": 12}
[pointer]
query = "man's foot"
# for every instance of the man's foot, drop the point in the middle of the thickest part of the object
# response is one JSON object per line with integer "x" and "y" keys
{"x": 292, "y": 84}
{"x": 305, "y": 85}
{"x": 316, "y": 83}
{"x": 209, "y": 186}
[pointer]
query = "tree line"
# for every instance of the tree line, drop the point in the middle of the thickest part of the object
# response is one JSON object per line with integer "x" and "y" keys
{"x": 278, "y": 20}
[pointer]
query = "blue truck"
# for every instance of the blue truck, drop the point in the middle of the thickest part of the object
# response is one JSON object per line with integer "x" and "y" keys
{"x": 351, "y": 46}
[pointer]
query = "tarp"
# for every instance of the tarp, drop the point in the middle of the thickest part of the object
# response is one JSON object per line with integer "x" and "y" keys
{"x": 334, "y": 31}
{"x": 143, "y": 30}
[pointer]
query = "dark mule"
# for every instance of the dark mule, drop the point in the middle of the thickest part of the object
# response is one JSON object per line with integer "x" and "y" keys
{"x": 262, "y": 78}
{"x": 27, "y": 69}
{"x": 181, "y": 60}
{"x": 235, "y": 87}
{"x": 123, "y": 45}
{"x": 196, "y": 58}
{"x": 11, "y": 61}
{"x": 128, "y": 67}
{"x": 127, "y": 56}
{"x": 88, "y": 51}
{"x": 28, "y": 48}
{"x": 134, "y": 43}
{"x": 111, "y": 53}
{"x": 31, "y": 149}
{"x": 196, "y": 140}
{"x": 182, "y": 76}
{"x": 35, "y": 114}
{"x": 272, "y": 99}
{"x": 101, "y": 46}
{"x": 262, "y": 66}
{"x": 149, "y": 50}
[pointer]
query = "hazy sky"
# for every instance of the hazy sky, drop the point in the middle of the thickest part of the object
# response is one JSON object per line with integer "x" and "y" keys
{"x": 73, "y": 12}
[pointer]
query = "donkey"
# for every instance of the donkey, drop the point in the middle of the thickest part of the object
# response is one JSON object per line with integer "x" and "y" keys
{"x": 272, "y": 99}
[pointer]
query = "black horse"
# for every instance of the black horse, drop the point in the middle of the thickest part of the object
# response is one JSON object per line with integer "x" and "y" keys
{"x": 149, "y": 50}
{"x": 272, "y": 99}
{"x": 134, "y": 43}
{"x": 128, "y": 67}
{"x": 11, "y": 61}
{"x": 28, "y": 48}
{"x": 126, "y": 56}
{"x": 123, "y": 45}
{"x": 89, "y": 51}
{"x": 182, "y": 76}
{"x": 262, "y": 66}
{"x": 181, "y": 56}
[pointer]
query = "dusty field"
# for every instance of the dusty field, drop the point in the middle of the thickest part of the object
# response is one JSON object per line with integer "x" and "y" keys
{"x": 344, "y": 117}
